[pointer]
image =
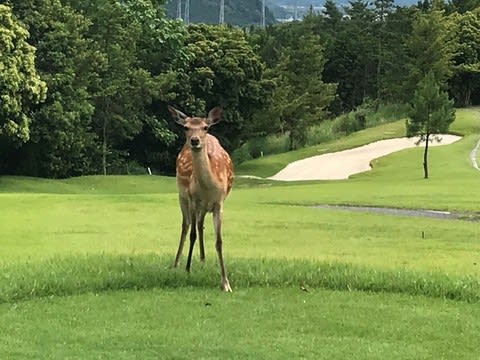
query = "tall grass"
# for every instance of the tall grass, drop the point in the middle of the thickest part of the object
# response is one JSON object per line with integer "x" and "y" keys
{"x": 97, "y": 273}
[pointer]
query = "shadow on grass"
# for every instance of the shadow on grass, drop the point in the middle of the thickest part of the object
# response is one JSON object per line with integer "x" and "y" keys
{"x": 98, "y": 273}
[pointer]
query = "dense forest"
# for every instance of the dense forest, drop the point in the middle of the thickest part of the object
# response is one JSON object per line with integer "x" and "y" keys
{"x": 84, "y": 85}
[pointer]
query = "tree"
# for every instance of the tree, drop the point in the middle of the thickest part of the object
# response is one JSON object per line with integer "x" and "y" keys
{"x": 431, "y": 47}
{"x": 382, "y": 10}
{"x": 398, "y": 28}
{"x": 62, "y": 143}
{"x": 351, "y": 54}
{"x": 20, "y": 85}
{"x": 163, "y": 51}
{"x": 301, "y": 97}
{"x": 122, "y": 88}
{"x": 431, "y": 113}
{"x": 466, "y": 74}
{"x": 224, "y": 70}
{"x": 462, "y": 6}
{"x": 332, "y": 13}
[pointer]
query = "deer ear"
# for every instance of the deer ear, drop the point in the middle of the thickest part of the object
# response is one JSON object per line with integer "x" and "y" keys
{"x": 214, "y": 116}
{"x": 177, "y": 115}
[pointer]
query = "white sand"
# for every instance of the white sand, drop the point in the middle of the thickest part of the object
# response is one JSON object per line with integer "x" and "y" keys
{"x": 342, "y": 164}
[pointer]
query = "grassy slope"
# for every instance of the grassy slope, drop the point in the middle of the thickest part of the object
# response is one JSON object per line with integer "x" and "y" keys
{"x": 47, "y": 224}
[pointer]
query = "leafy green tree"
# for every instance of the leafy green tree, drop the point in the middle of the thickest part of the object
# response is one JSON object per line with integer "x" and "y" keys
{"x": 462, "y": 6}
{"x": 431, "y": 113}
{"x": 123, "y": 88}
{"x": 163, "y": 51}
{"x": 301, "y": 97}
{"x": 224, "y": 70}
{"x": 351, "y": 55}
{"x": 382, "y": 9}
{"x": 398, "y": 27}
{"x": 20, "y": 85}
{"x": 118, "y": 93}
{"x": 431, "y": 47}
{"x": 466, "y": 76}
{"x": 62, "y": 142}
{"x": 332, "y": 14}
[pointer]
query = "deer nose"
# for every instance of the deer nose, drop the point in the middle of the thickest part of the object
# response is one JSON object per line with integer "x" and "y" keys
{"x": 194, "y": 141}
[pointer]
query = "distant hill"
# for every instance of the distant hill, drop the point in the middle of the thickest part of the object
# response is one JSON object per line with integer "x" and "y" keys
{"x": 284, "y": 9}
{"x": 237, "y": 12}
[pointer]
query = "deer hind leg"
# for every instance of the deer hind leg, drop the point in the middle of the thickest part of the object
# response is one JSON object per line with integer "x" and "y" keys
{"x": 200, "y": 226}
{"x": 217, "y": 223}
{"x": 193, "y": 237}
{"x": 185, "y": 225}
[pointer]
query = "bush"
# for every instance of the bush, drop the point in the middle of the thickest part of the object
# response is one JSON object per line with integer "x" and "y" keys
{"x": 348, "y": 124}
{"x": 241, "y": 154}
{"x": 258, "y": 147}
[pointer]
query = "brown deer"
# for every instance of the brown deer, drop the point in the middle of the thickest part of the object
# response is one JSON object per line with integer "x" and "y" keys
{"x": 204, "y": 179}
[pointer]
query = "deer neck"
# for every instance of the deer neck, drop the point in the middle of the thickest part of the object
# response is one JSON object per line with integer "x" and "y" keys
{"x": 201, "y": 168}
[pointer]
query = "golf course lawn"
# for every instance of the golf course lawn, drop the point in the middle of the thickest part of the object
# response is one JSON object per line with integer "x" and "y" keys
{"x": 85, "y": 264}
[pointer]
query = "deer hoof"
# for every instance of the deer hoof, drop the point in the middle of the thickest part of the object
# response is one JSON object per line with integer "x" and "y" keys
{"x": 226, "y": 286}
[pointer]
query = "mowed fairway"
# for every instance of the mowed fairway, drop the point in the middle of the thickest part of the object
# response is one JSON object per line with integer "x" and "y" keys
{"x": 85, "y": 265}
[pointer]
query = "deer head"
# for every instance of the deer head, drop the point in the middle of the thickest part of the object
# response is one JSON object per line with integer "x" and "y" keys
{"x": 196, "y": 128}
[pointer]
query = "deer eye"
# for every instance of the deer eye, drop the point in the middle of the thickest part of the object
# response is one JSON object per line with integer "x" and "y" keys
{"x": 186, "y": 128}
{"x": 205, "y": 128}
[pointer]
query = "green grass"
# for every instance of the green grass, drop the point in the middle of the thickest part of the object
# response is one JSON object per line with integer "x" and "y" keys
{"x": 85, "y": 263}
{"x": 89, "y": 185}
{"x": 37, "y": 227}
{"x": 62, "y": 276}
{"x": 254, "y": 322}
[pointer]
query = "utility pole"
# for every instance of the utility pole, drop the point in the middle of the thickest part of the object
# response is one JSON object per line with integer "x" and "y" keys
{"x": 222, "y": 12}
{"x": 179, "y": 9}
{"x": 187, "y": 12}
{"x": 295, "y": 13}
{"x": 263, "y": 13}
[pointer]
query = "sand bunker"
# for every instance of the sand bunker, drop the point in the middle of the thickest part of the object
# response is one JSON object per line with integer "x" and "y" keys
{"x": 342, "y": 164}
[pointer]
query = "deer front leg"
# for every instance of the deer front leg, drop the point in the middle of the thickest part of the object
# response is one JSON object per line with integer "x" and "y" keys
{"x": 217, "y": 223}
{"x": 193, "y": 237}
{"x": 200, "y": 226}
{"x": 185, "y": 225}
{"x": 183, "y": 236}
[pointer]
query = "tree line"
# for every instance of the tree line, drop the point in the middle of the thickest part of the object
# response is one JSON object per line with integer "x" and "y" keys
{"x": 84, "y": 85}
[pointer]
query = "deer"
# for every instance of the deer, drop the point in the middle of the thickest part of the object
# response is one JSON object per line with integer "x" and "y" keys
{"x": 204, "y": 176}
